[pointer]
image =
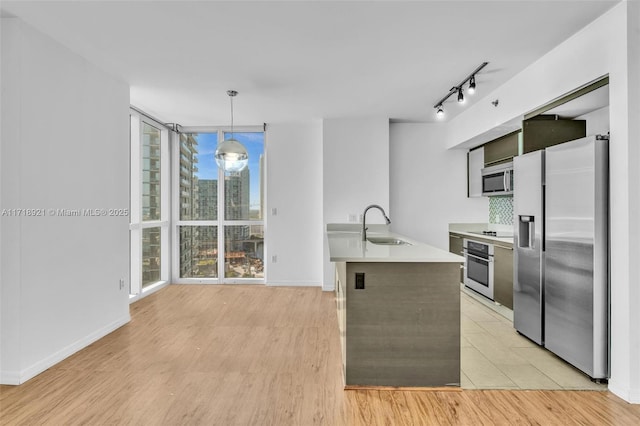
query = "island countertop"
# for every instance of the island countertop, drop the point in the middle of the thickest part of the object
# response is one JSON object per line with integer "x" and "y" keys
{"x": 346, "y": 245}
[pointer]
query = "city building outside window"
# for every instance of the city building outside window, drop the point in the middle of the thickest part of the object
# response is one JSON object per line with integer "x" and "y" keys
{"x": 221, "y": 227}
{"x": 149, "y": 207}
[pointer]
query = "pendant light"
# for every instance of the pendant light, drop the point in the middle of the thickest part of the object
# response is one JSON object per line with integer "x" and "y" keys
{"x": 231, "y": 155}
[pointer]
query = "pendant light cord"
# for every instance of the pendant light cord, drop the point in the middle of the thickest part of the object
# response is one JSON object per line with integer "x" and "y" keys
{"x": 231, "y": 94}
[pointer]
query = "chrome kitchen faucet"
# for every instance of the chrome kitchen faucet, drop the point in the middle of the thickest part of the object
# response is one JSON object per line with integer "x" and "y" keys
{"x": 364, "y": 219}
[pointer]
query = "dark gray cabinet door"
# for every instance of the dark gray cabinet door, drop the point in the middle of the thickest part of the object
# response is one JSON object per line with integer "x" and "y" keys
{"x": 503, "y": 275}
{"x": 501, "y": 150}
{"x": 539, "y": 134}
{"x": 455, "y": 247}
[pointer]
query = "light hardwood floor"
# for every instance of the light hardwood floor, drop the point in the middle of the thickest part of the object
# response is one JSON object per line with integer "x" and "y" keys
{"x": 254, "y": 355}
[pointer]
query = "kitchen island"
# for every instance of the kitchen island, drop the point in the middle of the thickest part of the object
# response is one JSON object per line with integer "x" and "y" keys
{"x": 398, "y": 309}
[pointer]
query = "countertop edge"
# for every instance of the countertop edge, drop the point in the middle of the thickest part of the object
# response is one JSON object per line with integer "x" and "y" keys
{"x": 416, "y": 252}
{"x": 484, "y": 237}
{"x": 395, "y": 260}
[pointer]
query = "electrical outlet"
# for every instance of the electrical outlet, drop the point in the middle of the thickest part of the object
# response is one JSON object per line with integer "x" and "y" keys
{"x": 121, "y": 283}
{"x": 359, "y": 280}
{"x": 352, "y": 217}
{"x": 274, "y": 258}
{"x": 274, "y": 211}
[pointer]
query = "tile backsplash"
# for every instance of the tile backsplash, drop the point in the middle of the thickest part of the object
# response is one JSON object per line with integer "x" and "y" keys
{"x": 501, "y": 210}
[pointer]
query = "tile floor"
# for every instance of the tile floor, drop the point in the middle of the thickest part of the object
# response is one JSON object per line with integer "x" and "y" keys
{"x": 495, "y": 356}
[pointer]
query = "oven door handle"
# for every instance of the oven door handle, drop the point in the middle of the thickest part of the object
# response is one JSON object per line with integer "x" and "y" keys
{"x": 489, "y": 259}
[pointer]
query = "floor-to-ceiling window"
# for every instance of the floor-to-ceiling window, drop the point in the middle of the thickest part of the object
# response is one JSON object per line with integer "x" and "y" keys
{"x": 150, "y": 208}
{"x": 219, "y": 230}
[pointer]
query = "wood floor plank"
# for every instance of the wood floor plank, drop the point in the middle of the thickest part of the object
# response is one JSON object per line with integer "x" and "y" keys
{"x": 255, "y": 355}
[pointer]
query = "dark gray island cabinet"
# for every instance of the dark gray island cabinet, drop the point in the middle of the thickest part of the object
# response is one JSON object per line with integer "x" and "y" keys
{"x": 398, "y": 313}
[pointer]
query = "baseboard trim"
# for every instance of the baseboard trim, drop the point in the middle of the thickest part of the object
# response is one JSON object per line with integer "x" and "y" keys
{"x": 329, "y": 287}
{"x": 17, "y": 378}
{"x": 632, "y": 396}
{"x": 404, "y": 388}
{"x": 294, "y": 284}
{"x": 9, "y": 377}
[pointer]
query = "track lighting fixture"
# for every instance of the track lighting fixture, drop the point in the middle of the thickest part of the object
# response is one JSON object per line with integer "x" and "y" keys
{"x": 471, "y": 79}
{"x": 472, "y": 85}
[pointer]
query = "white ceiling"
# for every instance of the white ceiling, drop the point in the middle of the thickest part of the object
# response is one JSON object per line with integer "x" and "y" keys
{"x": 301, "y": 60}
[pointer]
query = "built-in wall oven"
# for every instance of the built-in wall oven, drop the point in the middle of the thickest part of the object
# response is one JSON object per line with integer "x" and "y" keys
{"x": 478, "y": 266}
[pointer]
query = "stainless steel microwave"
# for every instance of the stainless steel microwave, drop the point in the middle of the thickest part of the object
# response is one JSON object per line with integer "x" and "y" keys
{"x": 497, "y": 180}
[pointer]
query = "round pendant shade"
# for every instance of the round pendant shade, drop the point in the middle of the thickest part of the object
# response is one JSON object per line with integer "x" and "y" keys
{"x": 231, "y": 156}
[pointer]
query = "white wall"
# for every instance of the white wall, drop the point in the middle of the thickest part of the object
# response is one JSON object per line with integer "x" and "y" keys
{"x": 598, "y": 121}
{"x": 609, "y": 45}
{"x": 65, "y": 145}
{"x": 593, "y": 52}
{"x": 627, "y": 373}
{"x": 355, "y": 173}
{"x": 429, "y": 185}
{"x": 319, "y": 173}
{"x": 294, "y": 188}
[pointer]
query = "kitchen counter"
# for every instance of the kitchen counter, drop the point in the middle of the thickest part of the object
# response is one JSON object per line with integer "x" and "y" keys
{"x": 508, "y": 240}
{"x": 346, "y": 245}
{"x": 398, "y": 310}
{"x": 474, "y": 230}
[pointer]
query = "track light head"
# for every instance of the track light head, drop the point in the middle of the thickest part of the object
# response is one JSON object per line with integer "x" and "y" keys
{"x": 471, "y": 79}
{"x": 472, "y": 85}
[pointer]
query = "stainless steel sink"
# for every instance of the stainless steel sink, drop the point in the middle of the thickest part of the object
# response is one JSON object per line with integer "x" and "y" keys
{"x": 389, "y": 241}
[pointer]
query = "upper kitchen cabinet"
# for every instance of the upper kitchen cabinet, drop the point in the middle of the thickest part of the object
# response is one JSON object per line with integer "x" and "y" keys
{"x": 544, "y": 131}
{"x": 498, "y": 151}
{"x": 583, "y": 112}
{"x": 501, "y": 150}
{"x": 475, "y": 163}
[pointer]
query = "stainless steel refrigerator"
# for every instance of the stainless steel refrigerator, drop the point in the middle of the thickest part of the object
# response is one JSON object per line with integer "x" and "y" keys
{"x": 561, "y": 277}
